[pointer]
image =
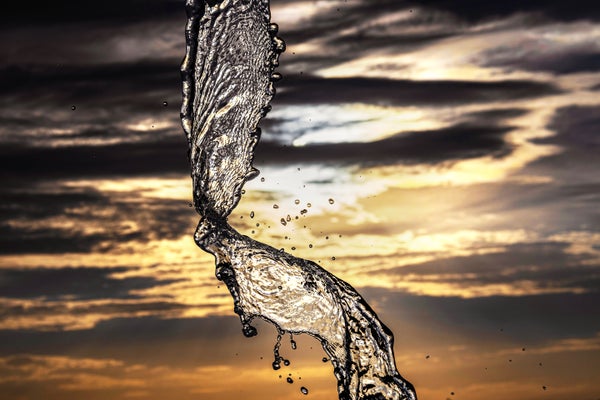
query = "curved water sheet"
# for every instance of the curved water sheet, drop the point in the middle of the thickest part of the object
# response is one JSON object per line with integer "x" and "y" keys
{"x": 228, "y": 75}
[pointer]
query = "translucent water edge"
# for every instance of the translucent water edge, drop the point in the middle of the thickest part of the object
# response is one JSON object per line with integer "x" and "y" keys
{"x": 228, "y": 74}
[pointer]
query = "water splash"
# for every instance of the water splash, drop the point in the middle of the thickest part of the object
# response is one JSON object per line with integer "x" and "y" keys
{"x": 228, "y": 75}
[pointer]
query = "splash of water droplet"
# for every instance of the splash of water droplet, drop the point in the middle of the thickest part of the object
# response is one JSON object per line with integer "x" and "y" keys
{"x": 228, "y": 74}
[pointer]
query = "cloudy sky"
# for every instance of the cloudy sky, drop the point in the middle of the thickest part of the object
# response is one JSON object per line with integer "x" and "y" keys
{"x": 458, "y": 140}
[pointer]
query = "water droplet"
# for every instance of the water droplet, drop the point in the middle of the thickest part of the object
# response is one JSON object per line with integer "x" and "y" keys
{"x": 288, "y": 218}
{"x": 262, "y": 179}
{"x": 165, "y": 103}
{"x": 333, "y": 258}
{"x": 303, "y": 211}
{"x": 279, "y": 45}
{"x": 257, "y": 133}
{"x": 293, "y": 248}
{"x": 304, "y": 390}
{"x": 248, "y": 330}
{"x": 331, "y": 201}
{"x": 266, "y": 109}
{"x": 277, "y": 358}
{"x": 252, "y": 173}
{"x": 73, "y": 108}
{"x": 297, "y": 201}
{"x": 324, "y": 359}
{"x": 286, "y": 363}
{"x": 293, "y": 344}
{"x": 523, "y": 349}
{"x": 310, "y": 246}
{"x": 427, "y": 357}
{"x": 190, "y": 205}
{"x": 289, "y": 380}
{"x": 308, "y": 205}
{"x": 251, "y": 214}
{"x": 544, "y": 387}
{"x": 273, "y": 28}
{"x": 275, "y": 206}
{"x": 276, "y": 76}
{"x": 451, "y": 393}
{"x": 283, "y": 222}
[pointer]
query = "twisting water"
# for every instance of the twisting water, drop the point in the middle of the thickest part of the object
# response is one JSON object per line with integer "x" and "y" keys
{"x": 228, "y": 75}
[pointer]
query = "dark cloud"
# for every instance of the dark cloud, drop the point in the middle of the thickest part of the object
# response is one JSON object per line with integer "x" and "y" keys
{"x": 576, "y": 127}
{"x": 126, "y": 159}
{"x": 137, "y": 86}
{"x": 576, "y": 133}
{"x": 435, "y": 19}
{"x": 127, "y": 88}
{"x": 543, "y": 265}
{"x": 568, "y": 203}
{"x": 349, "y": 35}
{"x": 75, "y": 283}
{"x": 31, "y": 314}
{"x": 25, "y": 227}
{"x": 147, "y": 158}
{"x": 457, "y": 142}
{"x": 474, "y": 10}
{"x": 35, "y": 13}
{"x": 185, "y": 341}
{"x": 54, "y": 241}
{"x": 112, "y": 104}
{"x": 405, "y": 92}
{"x": 496, "y": 115}
{"x": 354, "y": 45}
{"x": 40, "y": 204}
{"x": 561, "y": 61}
{"x": 422, "y": 321}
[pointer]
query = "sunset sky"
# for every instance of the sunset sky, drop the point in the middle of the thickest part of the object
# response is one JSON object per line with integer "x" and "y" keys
{"x": 442, "y": 157}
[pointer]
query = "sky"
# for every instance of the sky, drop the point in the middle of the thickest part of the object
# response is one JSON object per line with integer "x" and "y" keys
{"x": 440, "y": 156}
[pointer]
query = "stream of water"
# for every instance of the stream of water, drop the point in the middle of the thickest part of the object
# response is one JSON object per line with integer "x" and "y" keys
{"x": 228, "y": 82}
